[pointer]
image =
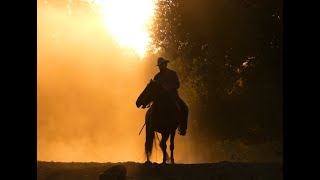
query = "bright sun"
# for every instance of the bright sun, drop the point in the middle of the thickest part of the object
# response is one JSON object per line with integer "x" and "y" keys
{"x": 128, "y": 22}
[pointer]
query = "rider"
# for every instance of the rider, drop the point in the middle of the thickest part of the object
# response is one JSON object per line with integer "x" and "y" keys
{"x": 170, "y": 82}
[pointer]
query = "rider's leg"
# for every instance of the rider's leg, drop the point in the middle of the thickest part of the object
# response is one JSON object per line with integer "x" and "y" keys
{"x": 184, "y": 120}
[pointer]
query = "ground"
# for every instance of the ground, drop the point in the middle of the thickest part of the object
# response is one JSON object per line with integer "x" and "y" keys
{"x": 209, "y": 171}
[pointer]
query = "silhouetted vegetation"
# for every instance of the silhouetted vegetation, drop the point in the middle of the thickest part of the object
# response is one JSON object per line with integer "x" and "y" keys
{"x": 229, "y": 57}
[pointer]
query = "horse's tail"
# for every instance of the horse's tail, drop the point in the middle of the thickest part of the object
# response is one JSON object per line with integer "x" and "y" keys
{"x": 150, "y": 137}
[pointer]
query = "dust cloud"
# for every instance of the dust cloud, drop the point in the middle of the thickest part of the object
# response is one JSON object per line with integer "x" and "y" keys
{"x": 86, "y": 91}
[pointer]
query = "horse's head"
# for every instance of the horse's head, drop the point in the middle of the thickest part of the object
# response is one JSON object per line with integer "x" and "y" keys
{"x": 149, "y": 94}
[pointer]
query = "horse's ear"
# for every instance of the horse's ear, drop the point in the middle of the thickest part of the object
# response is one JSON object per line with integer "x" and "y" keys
{"x": 151, "y": 80}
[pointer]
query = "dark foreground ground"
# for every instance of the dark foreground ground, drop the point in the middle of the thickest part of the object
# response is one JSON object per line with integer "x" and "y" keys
{"x": 210, "y": 171}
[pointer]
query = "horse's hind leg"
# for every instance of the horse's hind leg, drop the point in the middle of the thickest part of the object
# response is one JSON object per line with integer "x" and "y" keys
{"x": 163, "y": 145}
{"x": 172, "y": 146}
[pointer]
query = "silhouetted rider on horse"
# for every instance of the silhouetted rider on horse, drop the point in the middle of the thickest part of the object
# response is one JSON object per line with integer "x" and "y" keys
{"x": 169, "y": 80}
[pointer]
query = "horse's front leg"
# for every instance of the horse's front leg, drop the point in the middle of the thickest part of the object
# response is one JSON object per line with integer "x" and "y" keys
{"x": 163, "y": 145}
{"x": 149, "y": 137}
{"x": 148, "y": 143}
{"x": 172, "y": 146}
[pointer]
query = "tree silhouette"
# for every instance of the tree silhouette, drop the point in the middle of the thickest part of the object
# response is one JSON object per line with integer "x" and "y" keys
{"x": 229, "y": 57}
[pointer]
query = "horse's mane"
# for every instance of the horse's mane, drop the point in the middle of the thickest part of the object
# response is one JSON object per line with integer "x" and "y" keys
{"x": 162, "y": 97}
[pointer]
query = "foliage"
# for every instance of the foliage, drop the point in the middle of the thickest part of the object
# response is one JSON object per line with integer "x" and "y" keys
{"x": 229, "y": 58}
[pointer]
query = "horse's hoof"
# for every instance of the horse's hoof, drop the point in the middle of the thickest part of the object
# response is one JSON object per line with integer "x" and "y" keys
{"x": 148, "y": 163}
{"x": 172, "y": 161}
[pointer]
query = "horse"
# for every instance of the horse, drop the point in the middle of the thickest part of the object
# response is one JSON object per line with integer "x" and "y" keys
{"x": 162, "y": 117}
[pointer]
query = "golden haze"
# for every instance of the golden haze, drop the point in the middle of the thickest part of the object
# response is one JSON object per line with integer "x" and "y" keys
{"x": 87, "y": 86}
{"x": 88, "y": 79}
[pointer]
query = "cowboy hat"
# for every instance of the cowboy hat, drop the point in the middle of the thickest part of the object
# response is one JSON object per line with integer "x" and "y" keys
{"x": 161, "y": 60}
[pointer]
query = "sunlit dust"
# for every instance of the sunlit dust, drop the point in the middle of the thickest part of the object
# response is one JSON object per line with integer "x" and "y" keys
{"x": 128, "y": 22}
